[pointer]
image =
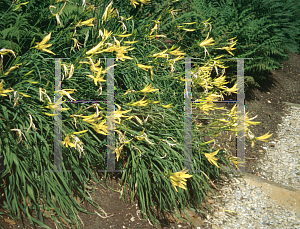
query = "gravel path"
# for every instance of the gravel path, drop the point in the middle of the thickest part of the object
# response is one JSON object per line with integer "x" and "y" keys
{"x": 248, "y": 206}
{"x": 282, "y": 159}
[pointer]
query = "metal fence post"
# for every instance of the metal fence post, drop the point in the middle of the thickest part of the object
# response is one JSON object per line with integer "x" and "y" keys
{"x": 110, "y": 118}
{"x": 188, "y": 114}
{"x": 57, "y": 120}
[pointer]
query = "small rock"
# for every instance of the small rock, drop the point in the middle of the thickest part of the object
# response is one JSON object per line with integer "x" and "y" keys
{"x": 215, "y": 227}
{"x": 210, "y": 201}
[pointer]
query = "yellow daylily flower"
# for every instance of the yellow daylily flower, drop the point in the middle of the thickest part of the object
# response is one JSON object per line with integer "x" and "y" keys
{"x": 2, "y": 92}
{"x": 250, "y": 122}
{"x": 24, "y": 94}
{"x": 174, "y": 60}
{"x": 218, "y": 82}
{"x": 19, "y": 4}
{"x": 129, "y": 18}
{"x": 76, "y": 44}
{"x": 222, "y": 120}
{"x": 148, "y": 89}
{"x": 124, "y": 35}
{"x": 231, "y": 90}
{"x": 31, "y": 124}
{"x": 88, "y": 22}
{"x": 66, "y": 70}
{"x": 118, "y": 114}
{"x": 94, "y": 67}
{"x": 237, "y": 161}
{"x": 120, "y": 50}
{"x": 246, "y": 121}
{"x": 176, "y": 52}
{"x": 145, "y": 67}
{"x": 212, "y": 97}
{"x": 11, "y": 69}
{"x": 64, "y": 92}
{"x": 140, "y": 138}
{"x": 120, "y": 55}
{"x": 138, "y": 119}
{"x": 173, "y": 12}
{"x": 58, "y": 14}
{"x": 97, "y": 78}
{"x": 167, "y": 106}
{"x": 49, "y": 114}
{"x": 160, "y": 36}
{"x": 90, "y": 118}
{"x": 210, "y": 157}
{"x": 67, "y": 142}
{"x": 233, "y": 110}
{"x": 145, "y": 1}
{"x": 41, "y": 92}
{"x": 204, "y": 83}
{"x": 130, "y": 42}
{"x": 56, "y": 106}
{"x": 141, "y": 103}
{"x": 207, "y": 23}
{"x": 156, "y": 26}
{"x": 207, "y": 42}
{"x": 228, "y": 49}
{"x": 206, "y": 107}
{"x": 202, "y": 144}
{"x": 100, "y": 128}
{"x": 161, "y": 55}
{"x": 190, "y": 23}
{"x": 189, "y": 30}
{"x": 134, "y": 2}
{"x": 178, "y": 178}
{"x": 5, "y": 51}
{"x": 32, "y": 82}
{"x": 95, "y": 49}
{"x": 78, "y": 144}
{"x": 129, "y": 91}
{"x": 122, "y": 137}
{"x": 109, "y": 12}
{"x": 80, "y": 132}
{"x": 118, "y": 151}
{"x": 264, "y": 137}
{"x": 20, "y": 134}
{"x": 57, "y": 19}
{"x": 104, "y": 35}
{"x": 42, "y": 45}
{"x": 152, "y": 101}
{"x": 90, "y": 8}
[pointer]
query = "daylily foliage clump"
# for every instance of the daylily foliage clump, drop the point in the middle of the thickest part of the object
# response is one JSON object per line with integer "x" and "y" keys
{"x": 150, "y": 77}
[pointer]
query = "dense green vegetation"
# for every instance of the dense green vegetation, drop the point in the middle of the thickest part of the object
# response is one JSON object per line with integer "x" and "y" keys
{"x": 149, "y": 41}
